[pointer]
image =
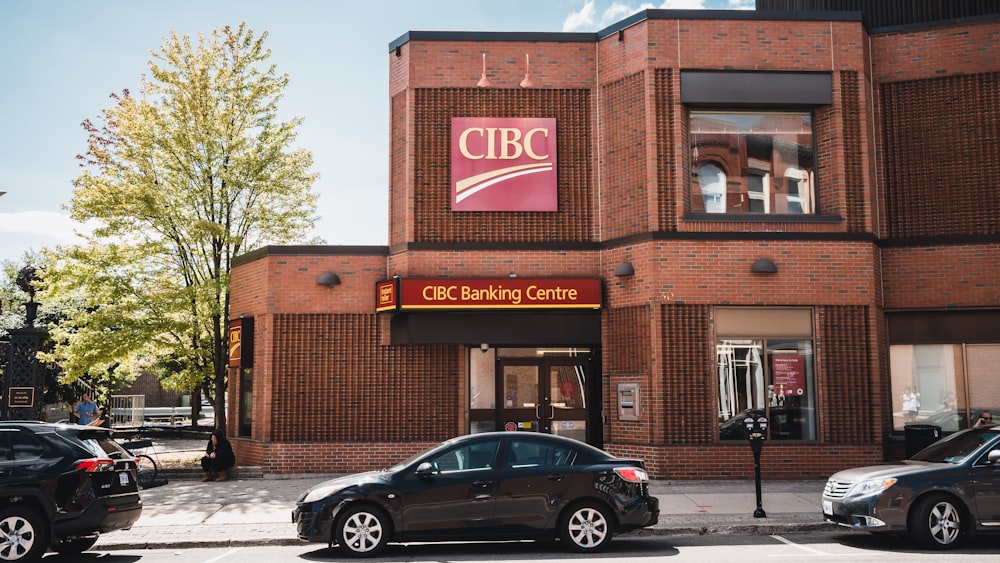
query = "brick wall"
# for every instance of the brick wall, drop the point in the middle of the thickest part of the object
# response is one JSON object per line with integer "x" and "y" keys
{"x": 907, "y": 166}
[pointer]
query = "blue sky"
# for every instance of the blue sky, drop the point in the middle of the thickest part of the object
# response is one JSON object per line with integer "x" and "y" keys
{"x": 61, "y": 59}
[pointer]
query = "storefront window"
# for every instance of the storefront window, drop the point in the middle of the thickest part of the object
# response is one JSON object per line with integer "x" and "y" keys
{"x": 945, "y": 385}
{"x": 775, "y": 151}
{"x": 777, "y": 383}
{"x": 768, "y": 375}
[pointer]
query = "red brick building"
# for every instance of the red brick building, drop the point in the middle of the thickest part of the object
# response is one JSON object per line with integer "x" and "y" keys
{"x": 788, "y": 213}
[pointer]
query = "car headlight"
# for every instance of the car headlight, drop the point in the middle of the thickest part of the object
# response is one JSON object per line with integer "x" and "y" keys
{"x": 873, "y": 486}
{"x": 321, "y": 491}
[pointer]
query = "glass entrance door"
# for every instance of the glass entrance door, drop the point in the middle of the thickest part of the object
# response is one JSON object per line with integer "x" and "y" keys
{"x": 543, "y": 395}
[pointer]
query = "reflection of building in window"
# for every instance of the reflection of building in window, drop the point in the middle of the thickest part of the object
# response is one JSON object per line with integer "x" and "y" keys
{"x": 712, "y": 180}
{"x": 752, "y": 162}
{"x": 955, "y": 383}
{"x": 741, "y": 377}
{"x": 798, "y": 191}
{"x": 759, "y": 191}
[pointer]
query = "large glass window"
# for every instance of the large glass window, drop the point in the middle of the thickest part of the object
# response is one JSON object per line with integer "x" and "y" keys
{"x": 765, "y": 373}
{"x": 946, "y": 385}
{"x": 752, "y": 162}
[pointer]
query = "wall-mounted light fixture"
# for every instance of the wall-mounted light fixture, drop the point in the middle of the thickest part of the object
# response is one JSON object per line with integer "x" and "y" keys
{"x": 624, "y": 269}
{"x": 764, "y": 266}
{"x": 329, "y": 279}
{"x": 484, "y": 82}
{"x": 484, "y": 347}
{"x": 527, "y": 82}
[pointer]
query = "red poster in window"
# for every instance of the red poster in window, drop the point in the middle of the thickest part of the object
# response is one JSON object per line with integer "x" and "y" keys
{"x": 789, "y": 375}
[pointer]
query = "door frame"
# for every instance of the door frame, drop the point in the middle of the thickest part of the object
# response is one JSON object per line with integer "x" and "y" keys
{"x": 544, "y": 412}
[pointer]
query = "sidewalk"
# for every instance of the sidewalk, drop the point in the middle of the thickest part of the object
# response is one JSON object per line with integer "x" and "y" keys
{"x": 187, "y": 513}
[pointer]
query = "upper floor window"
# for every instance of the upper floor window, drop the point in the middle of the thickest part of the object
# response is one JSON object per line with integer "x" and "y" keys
{"x": 752, "y": 162}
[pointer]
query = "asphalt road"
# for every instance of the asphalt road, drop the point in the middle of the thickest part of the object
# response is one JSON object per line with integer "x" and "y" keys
{"x": 813, "y": 547}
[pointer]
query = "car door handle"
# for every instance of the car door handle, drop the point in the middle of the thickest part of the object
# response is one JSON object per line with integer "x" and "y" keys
{"x": 482, "y": 483}
{"x": 556, "y": 476}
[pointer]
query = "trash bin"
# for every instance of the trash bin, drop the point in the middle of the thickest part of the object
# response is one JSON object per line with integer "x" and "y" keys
{"x": 919, "y": 436}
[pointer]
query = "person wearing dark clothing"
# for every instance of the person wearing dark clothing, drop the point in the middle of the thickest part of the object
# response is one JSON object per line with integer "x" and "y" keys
{"x": 218, "y": 458}
{"x": 103, "y": 418}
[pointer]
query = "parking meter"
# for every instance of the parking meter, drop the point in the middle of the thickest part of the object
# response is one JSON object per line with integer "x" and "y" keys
{"x": 756, "y": 429}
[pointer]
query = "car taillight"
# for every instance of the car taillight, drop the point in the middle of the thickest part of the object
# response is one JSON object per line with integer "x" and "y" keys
{"x": 95, "y": 465}
{"x": 632, "y": 474}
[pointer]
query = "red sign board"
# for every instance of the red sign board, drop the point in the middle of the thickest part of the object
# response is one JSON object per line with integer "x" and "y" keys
{"x": 503, "y": 164}
{"x": 488, "y": 293}
{"x": 235, "y": 343}
{"x": 789, "y": 374}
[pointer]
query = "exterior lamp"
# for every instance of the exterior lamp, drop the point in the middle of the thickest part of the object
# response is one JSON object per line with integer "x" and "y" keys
{"x": 329, "y": 279}
{"x": 624, "y": 269}
{"x": 527, "y": 82}
{"x": 764, "y": 266}
{"x": 484, "y": 82}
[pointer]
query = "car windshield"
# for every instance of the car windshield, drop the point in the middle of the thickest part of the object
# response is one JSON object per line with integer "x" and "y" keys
{"x": 955, "y": 448}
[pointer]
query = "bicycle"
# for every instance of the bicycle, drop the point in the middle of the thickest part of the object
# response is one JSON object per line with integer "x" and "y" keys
{"x": 146, "y": 468}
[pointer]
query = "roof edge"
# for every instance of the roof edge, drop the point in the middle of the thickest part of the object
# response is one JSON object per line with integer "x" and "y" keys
{"x": 648, "y": 14}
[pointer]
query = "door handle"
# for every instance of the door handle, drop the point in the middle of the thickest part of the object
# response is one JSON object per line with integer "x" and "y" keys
{"x": 538, "y": 415}
{"x": 481, "y": 483}
{"x": 556, "y": 476}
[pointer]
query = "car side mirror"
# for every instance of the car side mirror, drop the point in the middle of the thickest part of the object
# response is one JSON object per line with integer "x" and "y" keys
{"x": 425, "y": 469}
{"x": 993, "y": 457}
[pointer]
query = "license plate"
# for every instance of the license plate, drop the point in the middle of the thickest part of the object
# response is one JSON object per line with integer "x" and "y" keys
{"x": 827, "y": 507}
{"x": 123, "y": 478}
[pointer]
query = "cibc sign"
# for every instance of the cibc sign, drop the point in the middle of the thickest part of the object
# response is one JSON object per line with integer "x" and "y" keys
{"x": 503, "y": 164}
{"x": 409, "y": 294}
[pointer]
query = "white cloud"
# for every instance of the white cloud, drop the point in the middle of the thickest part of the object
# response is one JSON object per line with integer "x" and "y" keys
{"x": 586, "y": 18}
{"x": 578, "y": 21}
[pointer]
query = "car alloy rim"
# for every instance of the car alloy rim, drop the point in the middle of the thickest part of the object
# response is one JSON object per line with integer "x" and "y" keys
{"x": 16, "y": 538}
{"x": 944, "y": 523}
{"x": 587, "y": 527}
{"x": 362, "y": 532}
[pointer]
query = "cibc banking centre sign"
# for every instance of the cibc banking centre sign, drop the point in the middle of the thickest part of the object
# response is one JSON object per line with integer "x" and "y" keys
{"x": 413, "y": 294}
{"x": 503, "y": 164}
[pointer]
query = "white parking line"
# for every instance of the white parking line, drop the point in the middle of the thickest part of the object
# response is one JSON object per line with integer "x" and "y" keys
{"x": 802, "y": 547}
{"x": 223, "y": 556}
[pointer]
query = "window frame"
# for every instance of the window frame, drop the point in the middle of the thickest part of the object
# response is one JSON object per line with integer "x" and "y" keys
{"x": 711, "y": 149}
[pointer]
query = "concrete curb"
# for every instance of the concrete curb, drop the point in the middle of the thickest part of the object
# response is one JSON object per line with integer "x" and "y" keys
{"x": 190, "y": 474}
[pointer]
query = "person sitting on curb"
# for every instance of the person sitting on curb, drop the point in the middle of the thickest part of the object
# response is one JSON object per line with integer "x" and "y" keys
{"x": 218, "y": 458}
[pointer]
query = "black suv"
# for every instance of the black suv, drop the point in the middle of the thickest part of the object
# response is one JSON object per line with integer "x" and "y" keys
{"x": 61, "y": 485}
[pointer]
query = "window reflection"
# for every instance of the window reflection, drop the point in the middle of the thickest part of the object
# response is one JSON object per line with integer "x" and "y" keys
{"x": 768, "y": 157}
{"x": 774, "y": 378}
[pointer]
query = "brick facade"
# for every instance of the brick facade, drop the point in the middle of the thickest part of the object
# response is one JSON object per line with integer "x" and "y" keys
{"x": 907, "y": 165}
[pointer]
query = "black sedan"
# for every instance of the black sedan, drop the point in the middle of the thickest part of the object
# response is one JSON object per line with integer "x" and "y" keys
{"x": 945, "y": 492}
{"x": 492, "y": 486}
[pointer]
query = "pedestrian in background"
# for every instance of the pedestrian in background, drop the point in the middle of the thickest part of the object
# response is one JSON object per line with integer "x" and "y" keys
{"x": 219, "y": 457}
{"x": 985, "y": 419}
{"x": 86, "y": 410}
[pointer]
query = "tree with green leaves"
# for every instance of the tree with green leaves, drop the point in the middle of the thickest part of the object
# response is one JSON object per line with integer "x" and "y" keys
{"x": 179, "y": 181}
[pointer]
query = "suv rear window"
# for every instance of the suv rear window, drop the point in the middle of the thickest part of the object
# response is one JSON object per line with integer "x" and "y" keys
{"x": 100, "y": 444}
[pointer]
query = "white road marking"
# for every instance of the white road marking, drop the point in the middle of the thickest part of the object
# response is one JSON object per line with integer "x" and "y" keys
{"x": 802, "y": 547}
{"x": 223, "y": 556}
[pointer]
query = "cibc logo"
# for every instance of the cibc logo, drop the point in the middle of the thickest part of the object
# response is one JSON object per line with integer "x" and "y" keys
{"x": 503, "y": 164}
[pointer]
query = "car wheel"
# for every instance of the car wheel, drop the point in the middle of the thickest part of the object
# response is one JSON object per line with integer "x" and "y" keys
{"x": 586, "y": 528}
{"x": 23, "y": 534}
{"x": 362, "y": 531}
{"x": 74, "y": 546}
{"x": 936, "y": 522}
